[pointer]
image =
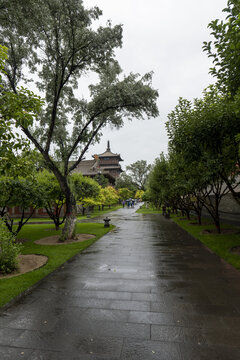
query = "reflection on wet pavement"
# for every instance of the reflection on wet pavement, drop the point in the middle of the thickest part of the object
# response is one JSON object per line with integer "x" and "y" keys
{"x": 146, "y": 290}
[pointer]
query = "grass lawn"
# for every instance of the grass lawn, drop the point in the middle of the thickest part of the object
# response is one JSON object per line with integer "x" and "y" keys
{"x": 220, "y": 244}
{"x": 97, "y": 212}
{"x": 57, "y": 255}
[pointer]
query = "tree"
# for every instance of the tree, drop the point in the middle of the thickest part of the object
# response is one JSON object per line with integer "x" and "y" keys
{"x": 20, "y": 188}
{"x": 24, "y": 193}
{"x": 204, "y": 132}
{"x": 85, "y": 190}
{"x": 224, "y": 50}
{"x": 139, "y": 194}
{"x": 125, "y": 193}
{"x": 125, "y": 181}
{"x": 21, "y": 108}
{"x": 139, "y": 172}
{"x": 55, "y": 40}
{"x": 54, "y": 199}
{"x": 158, "y": 181}
{"x": 101, "y": 180}
{"x": 109, "y": 195}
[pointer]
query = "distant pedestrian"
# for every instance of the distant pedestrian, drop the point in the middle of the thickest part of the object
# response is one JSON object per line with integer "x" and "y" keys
{"x": 128, "y": 203}
{"x": 123, "y": 203}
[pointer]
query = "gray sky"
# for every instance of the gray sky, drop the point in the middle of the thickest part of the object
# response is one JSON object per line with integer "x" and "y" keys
{"x": 166, "y": 37}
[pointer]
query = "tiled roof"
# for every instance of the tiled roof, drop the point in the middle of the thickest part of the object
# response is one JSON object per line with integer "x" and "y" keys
{"x": 86, "y": 167}
{"x": 108, "y": 154}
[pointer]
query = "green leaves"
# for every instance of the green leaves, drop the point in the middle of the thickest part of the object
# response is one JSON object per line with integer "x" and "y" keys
{"x": 22, "y": 107}
{"x": 224, "y": 50}
{"x": 139, "y": 172}
{"x": 84, "y": 187}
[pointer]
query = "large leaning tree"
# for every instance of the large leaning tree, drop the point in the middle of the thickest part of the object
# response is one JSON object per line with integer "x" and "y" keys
{"x": 55, "y": 45}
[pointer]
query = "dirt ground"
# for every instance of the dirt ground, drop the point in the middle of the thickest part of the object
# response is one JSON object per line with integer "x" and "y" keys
{"x": 32, "y": 262}
{"x": 27, "y": 263}
{"x": 54, "y": 240}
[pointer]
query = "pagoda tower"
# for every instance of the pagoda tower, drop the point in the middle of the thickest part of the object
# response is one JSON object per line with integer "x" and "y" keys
{"x": 108, "y": 162}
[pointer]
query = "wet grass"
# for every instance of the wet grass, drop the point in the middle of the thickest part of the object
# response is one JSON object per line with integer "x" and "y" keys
{"x": 97, "y": 212}
{"x": 220, "y": 244}
{"x": 148, "y": 210}
{"x": 57, "y": 255}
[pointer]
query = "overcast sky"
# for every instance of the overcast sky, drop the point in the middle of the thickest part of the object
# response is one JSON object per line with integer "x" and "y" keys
{"x": 166, "y": 37}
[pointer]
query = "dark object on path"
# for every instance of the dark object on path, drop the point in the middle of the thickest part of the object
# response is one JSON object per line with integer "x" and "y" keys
{"x": 164, "y": 210}
{"x": 106, "y": 221}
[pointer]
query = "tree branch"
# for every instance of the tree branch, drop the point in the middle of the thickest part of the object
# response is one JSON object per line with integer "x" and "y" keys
{"x": 94, "y": 133}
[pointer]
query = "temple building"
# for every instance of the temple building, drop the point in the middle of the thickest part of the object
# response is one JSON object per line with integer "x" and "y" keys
{"x": 106, "y": 164}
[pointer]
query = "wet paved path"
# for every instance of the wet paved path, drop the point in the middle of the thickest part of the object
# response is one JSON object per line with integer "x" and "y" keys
{"x": 145, "y": 291}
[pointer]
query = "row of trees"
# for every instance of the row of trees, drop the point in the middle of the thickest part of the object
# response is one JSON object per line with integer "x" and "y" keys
{"x": 34, "y": 188}
{"x": 203, "y": 161}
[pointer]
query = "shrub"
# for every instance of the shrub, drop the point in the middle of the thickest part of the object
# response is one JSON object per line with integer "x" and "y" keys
{"x": 9, "y": 250}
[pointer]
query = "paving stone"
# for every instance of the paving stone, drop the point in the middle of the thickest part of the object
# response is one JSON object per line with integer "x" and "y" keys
{"x": 149, "y": 350}
{"x": 145, "y": 317}
{"x": 203, "y": 352}
{"x": 104, "y": 346}
{"x": 104, "y": 328}
{"x": 130, "y": 305}
{"x": 51, "y": 341}
{"x": 8, "y": 336}
{"x": 198, "y": 320}
{"x": 36, "y": 320}
{"x": 13, "y": 353}
{"x": 177, "y": 334}
{"x": 114, "y": 295}
{"x": 147, "y": 297}
{"x": 104, "y": 314}
{"x": 57, "y": 355}
{"x": 222, "y": 336}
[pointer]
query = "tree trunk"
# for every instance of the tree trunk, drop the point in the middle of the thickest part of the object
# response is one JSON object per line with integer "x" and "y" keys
{"x": 188, "y": 214}
{"x": 69, "y": 229}
{"x": 199, "y": 216}
{"x": 217, "y": 224}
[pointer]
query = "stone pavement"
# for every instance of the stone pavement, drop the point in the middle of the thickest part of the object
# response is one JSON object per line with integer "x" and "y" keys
{"x": 145, "y": 291}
